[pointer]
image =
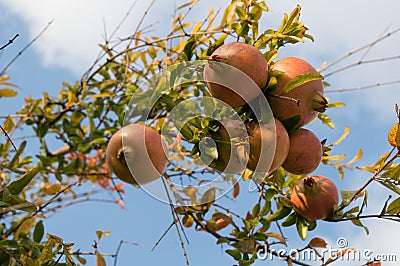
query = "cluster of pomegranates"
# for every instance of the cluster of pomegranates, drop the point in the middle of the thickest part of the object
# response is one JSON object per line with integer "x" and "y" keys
{"x": 298, "y": 151}
{"x": 137, "y": 153}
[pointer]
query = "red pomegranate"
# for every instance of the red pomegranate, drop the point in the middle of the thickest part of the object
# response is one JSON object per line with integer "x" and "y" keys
{"x": 314, "y": 197}
{"x": 269, "y": 146}
{"x": 305, "y": 152}
{"x": 309, "y": 95}
{"x": 235, "y": 73}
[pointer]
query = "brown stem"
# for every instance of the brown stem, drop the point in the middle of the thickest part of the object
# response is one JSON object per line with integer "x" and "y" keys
{"x": 377, "y": 172}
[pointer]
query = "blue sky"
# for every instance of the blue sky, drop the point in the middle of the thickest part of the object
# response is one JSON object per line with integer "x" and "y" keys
{"x": 65, "y": 51}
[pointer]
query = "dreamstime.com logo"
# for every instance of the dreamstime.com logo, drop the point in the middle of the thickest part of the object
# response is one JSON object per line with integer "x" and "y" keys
{"x": 341, "y": 252}
{"x": 159, "y": 89}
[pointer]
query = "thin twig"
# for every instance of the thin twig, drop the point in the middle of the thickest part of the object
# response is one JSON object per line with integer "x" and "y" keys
{"x": 8, "y": 138}
{"x": 379, "y": 84}
{"x": 119, "y": 248}
{"x": 25, "y": 48}
{"x": 10, "y": 41}
{"x": 360, "y": 62}
{"x": 163, "y": 235}
{"x": 326, "y": 66}
{"x": 375, "y": 175}
{"x": 175, "y": 220}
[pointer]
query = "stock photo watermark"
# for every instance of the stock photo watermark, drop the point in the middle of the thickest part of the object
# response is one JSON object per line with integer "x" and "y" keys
{"x": 340, "y": 252}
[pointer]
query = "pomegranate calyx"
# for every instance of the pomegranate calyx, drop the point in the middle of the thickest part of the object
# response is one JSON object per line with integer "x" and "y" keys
{"x": 319, "y": 103}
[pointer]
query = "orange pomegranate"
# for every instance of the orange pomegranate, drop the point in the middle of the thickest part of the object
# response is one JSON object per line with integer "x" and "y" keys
{"x": 314, "y": 197}
{"x": 137, "y": 154}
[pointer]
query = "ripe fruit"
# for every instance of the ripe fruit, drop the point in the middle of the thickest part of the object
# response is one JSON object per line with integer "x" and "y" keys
{"x": 314, "y": 197}
{"x": 269, "y": 146}
{"x": 228, "y": 136}
{"x": 305, "y": 152}
{"x": 236, "y": 67}
{"x": 309, "y": 95}
{"x": 137, "y": 154}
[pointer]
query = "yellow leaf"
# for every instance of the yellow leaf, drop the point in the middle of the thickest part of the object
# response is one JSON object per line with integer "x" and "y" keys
{"x": 246, "y": 174}
{"x": 101, "y": 233}
{"x": 394, "y": 135}
{"x": 100, "y": 261}
{"x": 357, "y": 157}
{"x": 7, "y": 93}
{"x": 345, "y": 133}
{"x": 4, "y": 78}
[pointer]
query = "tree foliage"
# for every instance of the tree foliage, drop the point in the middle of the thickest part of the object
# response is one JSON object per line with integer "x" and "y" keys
{"x": 82, "y": 117}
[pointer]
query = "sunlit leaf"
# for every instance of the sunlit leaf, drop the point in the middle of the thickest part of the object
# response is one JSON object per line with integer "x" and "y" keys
{"x": 394, "y": 207}
{"x": 302, "y": 228}
{"x": 345, "y": 133}
{"x": 100, "y": 261}
{"x": 8, "y": 93}
{"x": 300, "y": 80}
{"x": 394, "y": 135}
{"x": 326, "y": 120}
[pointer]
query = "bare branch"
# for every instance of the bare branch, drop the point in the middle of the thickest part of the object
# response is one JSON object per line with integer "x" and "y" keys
{"x": 380, "y": 84}
{"x": 367, "y": 46}
{"x": 8, "y": 138}
{"x": 25, "y": 48}
{"x": 10, "y": 41}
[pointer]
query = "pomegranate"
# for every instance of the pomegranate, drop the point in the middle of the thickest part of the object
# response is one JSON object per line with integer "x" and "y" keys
{"x": 137, "y": 154}
{"x": 305, "y": 152}
{"x": 314, "y": 197}
{"x": 229, "y": 135}
{"x": 235, "y": 73}
{"x": 309, "y": 96}
{"x": 266, "y": 153}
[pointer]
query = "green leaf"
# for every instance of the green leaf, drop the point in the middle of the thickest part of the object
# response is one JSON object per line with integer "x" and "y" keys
{"x": 15, "y": 159}
{"x": 280, "y": 214}
{"x": 234, "y": 253}
{"x": 47, "y": 253}
{"x": 394, "y": 207}
{"x": 188, "y": 49}
{"x": 256, "y": 210}
{"x": 290, "y": 220}
{"x": 291, "y": 123}
{"x": 302, "y": 228}
{"x": 17, "y": 186}
{"x": 358, "y": 223}
{"x": 38, "y": 232}
{"x": 347, "y": 195}
{"x": 300, "y": 80}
